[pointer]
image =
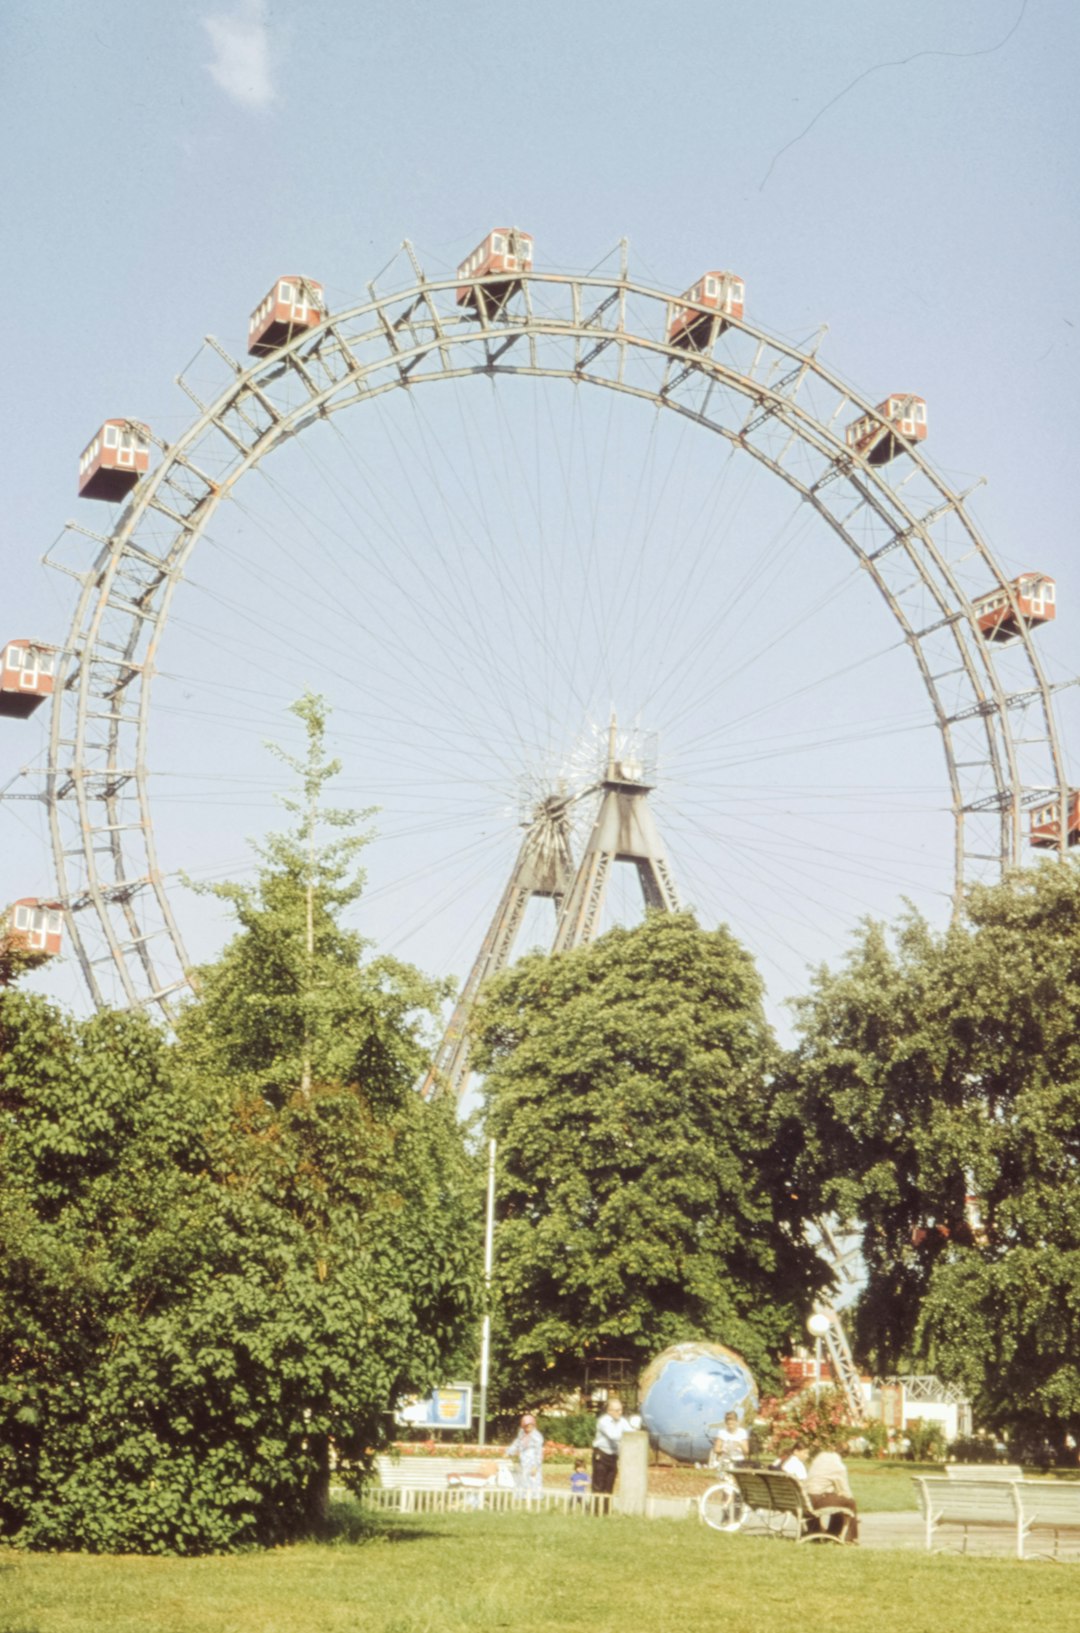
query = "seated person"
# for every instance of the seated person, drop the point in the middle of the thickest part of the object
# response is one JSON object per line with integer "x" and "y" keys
{"x": 792, "y": 1462}
{"x": 732, "y": 1444}
{"x": 828, "y": 1487}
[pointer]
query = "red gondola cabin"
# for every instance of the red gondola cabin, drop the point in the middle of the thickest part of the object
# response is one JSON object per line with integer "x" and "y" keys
{"x": 293, "y": 305}
{"x": 1046, "y": 823}
{"x": 114, "y": 461}
{"x": 504, "y": 250}
{"x": 721, "y": 294}
{"x": 26, "y": 677}
{"x": 32, "y": 926}
{"x": 879, "y": 443}
{"x": 1036, "y": 603}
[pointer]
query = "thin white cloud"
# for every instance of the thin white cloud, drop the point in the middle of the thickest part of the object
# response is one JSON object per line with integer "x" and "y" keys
{"x": 241, "y": 64}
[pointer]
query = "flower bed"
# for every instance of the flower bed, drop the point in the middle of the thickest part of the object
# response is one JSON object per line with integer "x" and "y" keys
{"x": 554, "y": 1450}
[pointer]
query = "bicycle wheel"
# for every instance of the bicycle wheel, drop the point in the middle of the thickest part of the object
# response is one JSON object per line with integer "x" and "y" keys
{"x": 721, "y": 1506}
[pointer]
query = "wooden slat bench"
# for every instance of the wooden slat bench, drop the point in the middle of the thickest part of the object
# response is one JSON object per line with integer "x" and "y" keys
{"x": 771, "y": 1492}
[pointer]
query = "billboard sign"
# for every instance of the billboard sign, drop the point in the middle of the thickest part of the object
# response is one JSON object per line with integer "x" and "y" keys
{"x": 449, "y": 1407}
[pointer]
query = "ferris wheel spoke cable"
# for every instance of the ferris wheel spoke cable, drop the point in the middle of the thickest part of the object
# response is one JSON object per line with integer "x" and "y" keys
{"x": 280, "y": 633}
{"x": 825, "y": 858}
{"x": 400, "y": 681}
{"x": 442, "y": 631}
{"x": 775, "y": 554}
{"x": 283, "y": 632}
{"x": 476, "y": 646}
{"x": 824, "y": 862}
{"x": 512, "y": 462}
{"x": 705, "y": 541}
{"x": 517, "y": 603}
{"x": 615, "y": 606}
{"x": 774, "y": 638}
{"x": 727, "y": 756}
{"x": 444, "y": 636}
{"x": 755, "y": 932}
{"x": 591, "y": 596}
{"x": 785, "y": 881}
{"x": 438, "y": 903}
{"x": 785, "y": 699}
{"x": 398, "y": 747}
{"x": 657, "y": 506}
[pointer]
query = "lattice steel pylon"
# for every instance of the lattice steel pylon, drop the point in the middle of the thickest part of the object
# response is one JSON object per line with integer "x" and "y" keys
{"x": 623, "y": 831}
{"x": 544, "y": 868}
{"x": 840, "y": 1258}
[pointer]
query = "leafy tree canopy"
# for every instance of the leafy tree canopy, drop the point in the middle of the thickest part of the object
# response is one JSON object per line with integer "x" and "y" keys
{"x": 937, "y": 1091}
{"x": 639, "y": 1200}
{"x": 292, "y": 998}
{"x": 225, "y": 1253}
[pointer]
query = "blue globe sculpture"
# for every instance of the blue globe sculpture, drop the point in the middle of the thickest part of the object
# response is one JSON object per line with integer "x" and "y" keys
{"x": 685, "y": 1393}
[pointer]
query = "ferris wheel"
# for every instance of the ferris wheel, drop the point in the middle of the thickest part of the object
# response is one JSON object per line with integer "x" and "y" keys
{"x": 695, "y": 370}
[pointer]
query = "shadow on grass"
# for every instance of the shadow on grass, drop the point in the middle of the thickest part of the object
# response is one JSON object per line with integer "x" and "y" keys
{"x": 350, "y": 1525}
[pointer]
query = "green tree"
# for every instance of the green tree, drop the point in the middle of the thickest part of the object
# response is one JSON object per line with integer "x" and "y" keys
{"x": 292, "y": 998}
{"x": 937, "y": 1084}
{"x": 226, "y": 1254}
{"x": 639, "y": 1199}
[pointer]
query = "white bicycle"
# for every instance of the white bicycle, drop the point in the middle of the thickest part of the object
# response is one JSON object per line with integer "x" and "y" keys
{"x": 722, "y": 1506}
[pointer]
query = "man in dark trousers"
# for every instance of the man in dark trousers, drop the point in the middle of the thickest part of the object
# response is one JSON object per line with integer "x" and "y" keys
{"x": 610, "y": 1428}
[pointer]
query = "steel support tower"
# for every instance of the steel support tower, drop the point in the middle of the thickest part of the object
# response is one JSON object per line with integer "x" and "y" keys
{"x": 623, "y": 831}
{"x": 544, "y": 868}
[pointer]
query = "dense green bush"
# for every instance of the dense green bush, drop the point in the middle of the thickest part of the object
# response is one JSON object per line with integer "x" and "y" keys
{"x": 926, "y": 1441}
{"x": 973, "y": 1449}
{"x": 196, "y": 1299}
{"x": 569, "y": 1428}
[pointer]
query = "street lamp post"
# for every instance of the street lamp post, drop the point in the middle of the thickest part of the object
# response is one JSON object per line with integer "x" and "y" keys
{"x": 817, "y": 1326}
{"x": 485, "y": 1332}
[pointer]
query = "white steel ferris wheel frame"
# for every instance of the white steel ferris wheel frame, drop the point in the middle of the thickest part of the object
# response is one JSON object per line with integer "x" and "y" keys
{"x": 905, "y": 527}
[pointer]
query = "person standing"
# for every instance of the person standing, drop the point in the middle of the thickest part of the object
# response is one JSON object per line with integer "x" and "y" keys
{"x": 610, "y": 1428}
{"x": 527, "y": 1447}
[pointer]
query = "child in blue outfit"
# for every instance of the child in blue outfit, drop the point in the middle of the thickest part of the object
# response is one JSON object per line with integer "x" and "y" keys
{"x": 579, "y": 1481}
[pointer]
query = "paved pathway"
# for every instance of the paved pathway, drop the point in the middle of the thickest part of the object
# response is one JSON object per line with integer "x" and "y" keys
{"x": 908, "y": 1530}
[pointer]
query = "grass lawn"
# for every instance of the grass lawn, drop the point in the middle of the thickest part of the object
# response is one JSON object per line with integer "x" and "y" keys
{"x": 535, "y": 1573}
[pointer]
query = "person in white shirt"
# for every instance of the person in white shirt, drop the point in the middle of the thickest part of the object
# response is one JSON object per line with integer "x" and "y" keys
{"x": 610, "y": 1428}
{"x": 528, "y": 1448}
{"x": 732, "y": 1444}
{"x": 793, "y": 1462}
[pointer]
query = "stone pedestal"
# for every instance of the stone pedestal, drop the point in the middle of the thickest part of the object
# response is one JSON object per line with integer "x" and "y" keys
{"x": 633, "y": 1490}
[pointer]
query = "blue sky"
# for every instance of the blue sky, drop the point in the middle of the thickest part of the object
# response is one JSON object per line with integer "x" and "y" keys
{"x": 905, "y": 175}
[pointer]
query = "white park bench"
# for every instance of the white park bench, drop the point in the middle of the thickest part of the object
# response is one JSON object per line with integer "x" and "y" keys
{"x": 970, "y": 1504}
{"x": 1026, "y": 1507}
{"x": 983, "y": 1471}
{"x": 1046, "y": 1505}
